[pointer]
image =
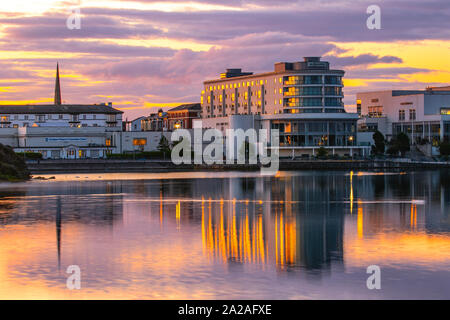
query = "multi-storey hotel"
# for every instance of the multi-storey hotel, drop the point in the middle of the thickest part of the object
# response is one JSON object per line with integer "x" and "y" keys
{"x": 301, "y": 99}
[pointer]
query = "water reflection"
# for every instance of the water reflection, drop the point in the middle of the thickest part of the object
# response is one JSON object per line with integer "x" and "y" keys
{"x": 185, "y": 236}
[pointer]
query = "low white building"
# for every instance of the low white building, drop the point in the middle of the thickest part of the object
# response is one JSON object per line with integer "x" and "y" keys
{"x": 424, "y": 115}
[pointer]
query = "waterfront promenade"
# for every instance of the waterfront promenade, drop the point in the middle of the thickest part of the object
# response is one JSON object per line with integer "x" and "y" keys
{"x": 100, "y": 165}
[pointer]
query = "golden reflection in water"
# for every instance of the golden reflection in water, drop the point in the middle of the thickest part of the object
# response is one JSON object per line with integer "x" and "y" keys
{"x": 161, "y": 209}
{"x": 244, "y": 238}
{"x": 413, "y": 217}
{"x": 177, "y": 214}
{"x": 351, "y": 192}
{"x": 360, "y": 221}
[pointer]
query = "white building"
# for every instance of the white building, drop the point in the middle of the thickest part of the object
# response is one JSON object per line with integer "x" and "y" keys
{"x": 424, "y": 115}
{"x": 303, "y": 100}
{"x": 69, "y": 131}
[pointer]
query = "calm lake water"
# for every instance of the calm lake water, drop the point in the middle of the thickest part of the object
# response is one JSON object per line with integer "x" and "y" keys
{"x": 298, "y": 235}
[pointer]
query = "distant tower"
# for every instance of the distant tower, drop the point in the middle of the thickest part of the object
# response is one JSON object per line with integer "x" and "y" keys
{"x": 57, "y": 87}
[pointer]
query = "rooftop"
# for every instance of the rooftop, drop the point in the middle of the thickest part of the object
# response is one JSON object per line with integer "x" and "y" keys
{"x": 58, "y": 109}
{"x": 308, "y": 65}
{"x": 187, "y": 106}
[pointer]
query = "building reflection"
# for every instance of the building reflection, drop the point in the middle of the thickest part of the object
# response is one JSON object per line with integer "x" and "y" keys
{"x": 290, "y": 222}
{"x": 285, "y": 225}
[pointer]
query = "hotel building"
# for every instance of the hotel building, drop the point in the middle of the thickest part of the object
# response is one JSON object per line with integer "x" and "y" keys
{"x": 303, "y": 100}
{"x": 424, "y": 115}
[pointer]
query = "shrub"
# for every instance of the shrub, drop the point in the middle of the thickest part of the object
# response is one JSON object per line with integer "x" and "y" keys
{"x": 444, "y": 148}
{"x": 322, "y": 152}
{"x": 30, "y": 155}
{"x": 12, "y": 167}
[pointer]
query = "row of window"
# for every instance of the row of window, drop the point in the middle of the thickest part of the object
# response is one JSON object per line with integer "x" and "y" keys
{"x": 44, "y": 117}
{"x": 313, "y": 126}
{"x": 289, "y": 80}
{"x": 295, "y": 80}
{"x": 402, "y": 113}
{"x": 317, "y": 140}
{"x": 313, "y": 102}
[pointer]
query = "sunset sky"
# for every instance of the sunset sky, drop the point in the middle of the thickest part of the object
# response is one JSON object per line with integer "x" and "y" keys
{"x": 144, "y": 54}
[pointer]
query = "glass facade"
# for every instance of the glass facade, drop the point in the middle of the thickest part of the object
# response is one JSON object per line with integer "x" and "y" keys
{"x": 316, "y": 133}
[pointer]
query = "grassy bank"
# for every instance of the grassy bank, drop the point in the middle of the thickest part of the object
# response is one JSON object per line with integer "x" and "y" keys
{"x": 12, "y": 166}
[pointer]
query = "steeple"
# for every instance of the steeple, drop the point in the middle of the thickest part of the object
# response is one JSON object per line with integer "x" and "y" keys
{"x": 57, "y": 87}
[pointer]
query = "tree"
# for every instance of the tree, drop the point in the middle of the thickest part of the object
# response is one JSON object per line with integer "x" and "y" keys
{"x": 379, "y": 146}
{"x": 444, "y": 148}
{"x": 322, "y": 152}
{"x": 400, "y": 143}
{"x": 403, "y": 143}
{"x": 164, "y": 145}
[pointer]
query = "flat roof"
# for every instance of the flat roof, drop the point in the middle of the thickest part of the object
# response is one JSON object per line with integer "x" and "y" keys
{"x": 187, "y": 106}
{"x": 64, "y": 108}
{"x": 266, "y": 74}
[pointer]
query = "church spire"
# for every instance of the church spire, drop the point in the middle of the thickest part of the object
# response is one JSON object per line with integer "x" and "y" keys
{"x": 57, "y": 87}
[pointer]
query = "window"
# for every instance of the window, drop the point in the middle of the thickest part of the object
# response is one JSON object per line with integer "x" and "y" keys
{"x": 108, "y": 142}
{"x": 139, "y": 141}
{"x": 412, "y": 114}
{"x": 61, "y": 117}
{"x": 375, "y": 111}
{"x": 401, "y": 115}
{"x": 95, "y": 154}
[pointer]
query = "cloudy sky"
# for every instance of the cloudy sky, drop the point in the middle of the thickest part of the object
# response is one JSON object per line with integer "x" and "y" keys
{"x": 143, "y": 54}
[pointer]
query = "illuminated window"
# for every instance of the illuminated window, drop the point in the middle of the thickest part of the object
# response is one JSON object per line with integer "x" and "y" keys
{"x": 108, "y": 142}
{"x": 445, "y": 111}
{"x": 139, "y": 141}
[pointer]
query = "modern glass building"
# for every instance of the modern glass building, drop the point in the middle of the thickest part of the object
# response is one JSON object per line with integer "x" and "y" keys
{"x": 303, "y": 100}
